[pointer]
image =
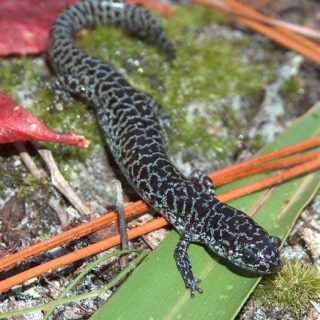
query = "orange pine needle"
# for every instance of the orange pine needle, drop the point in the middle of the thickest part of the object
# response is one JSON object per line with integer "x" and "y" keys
{"x": 279, "y": 25}
{"x": 69, "y": 235}
{"x": 165, "y": 9}
{"x": 282, "y": 176}
{"x": 219, "y": 180}
{"x": 302, "y": 30}
{"x": 79, "y": 254}
{"x": 280, "y": 34}
{"x": 283, "y": 152}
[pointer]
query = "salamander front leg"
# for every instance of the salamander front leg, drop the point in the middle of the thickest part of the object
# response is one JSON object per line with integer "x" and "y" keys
{"x": 184, "y": 265}
{"x": 64, "y": 87}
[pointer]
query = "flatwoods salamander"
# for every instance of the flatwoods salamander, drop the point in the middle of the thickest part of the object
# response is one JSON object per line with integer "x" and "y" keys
{"x": 132, "y": 123}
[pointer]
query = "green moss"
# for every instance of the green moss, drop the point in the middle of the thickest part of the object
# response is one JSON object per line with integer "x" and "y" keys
{"x": 206, "y": 70}
{"x": 8, "y": 179}
{"x": 17, "y": 72}
{"x": 76, "y": 119}
{"x": 292, "y": 89}
{"x": 18, "y": 179}
{"x": 27, "y": 192}
{"x": 292, "y": 288}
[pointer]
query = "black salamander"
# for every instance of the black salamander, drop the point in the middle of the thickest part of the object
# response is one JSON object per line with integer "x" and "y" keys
{"x": 131, "y": 122}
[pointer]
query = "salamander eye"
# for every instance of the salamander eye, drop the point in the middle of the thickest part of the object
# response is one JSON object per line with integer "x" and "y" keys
{"x": 249, "y": 256}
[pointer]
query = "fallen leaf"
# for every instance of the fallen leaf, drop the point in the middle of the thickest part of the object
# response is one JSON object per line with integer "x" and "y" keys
{"x": 17, "y": 124}
{"x": 25, "y": 24}
{"x": 11, "y": 214}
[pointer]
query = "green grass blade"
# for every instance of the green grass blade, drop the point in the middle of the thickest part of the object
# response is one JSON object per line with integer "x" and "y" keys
{"x": 88, "y": 295}
{"x": 156, "y": 291}
{"x": 83, "y": 273}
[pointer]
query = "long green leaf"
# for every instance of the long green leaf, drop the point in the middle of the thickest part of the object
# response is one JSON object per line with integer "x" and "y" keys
{"x": 156, "y": 291}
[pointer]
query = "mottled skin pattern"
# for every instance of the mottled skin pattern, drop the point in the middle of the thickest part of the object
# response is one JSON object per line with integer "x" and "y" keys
{"x": 132, "y": 126}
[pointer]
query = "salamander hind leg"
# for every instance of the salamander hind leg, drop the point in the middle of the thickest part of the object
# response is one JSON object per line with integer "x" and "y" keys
{"x": 202, "y": 182}
{"x": 184, "y": 264}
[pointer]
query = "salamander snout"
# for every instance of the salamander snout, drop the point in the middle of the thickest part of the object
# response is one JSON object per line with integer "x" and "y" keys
{"x": 276, "y": 262}
{"x": 243, "y": 242}
{"x": 260, "y": 255}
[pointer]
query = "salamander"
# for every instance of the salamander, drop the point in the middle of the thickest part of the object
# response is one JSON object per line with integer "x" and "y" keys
{"x": 132, "y": 123}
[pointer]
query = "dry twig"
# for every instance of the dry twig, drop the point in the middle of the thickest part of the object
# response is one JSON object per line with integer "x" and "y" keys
{"x": 58, "y": 180}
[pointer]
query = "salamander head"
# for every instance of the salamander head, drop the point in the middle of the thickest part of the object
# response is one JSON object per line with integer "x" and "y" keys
{"x": 238, "y": 238}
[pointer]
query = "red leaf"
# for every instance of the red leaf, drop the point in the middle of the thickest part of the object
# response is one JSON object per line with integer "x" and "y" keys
{"x": 17, "y": 124}
{"x": 25, "y": 24}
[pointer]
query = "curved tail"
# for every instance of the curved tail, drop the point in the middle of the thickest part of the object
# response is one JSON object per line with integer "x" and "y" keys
{"x": 91, "y": 13}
